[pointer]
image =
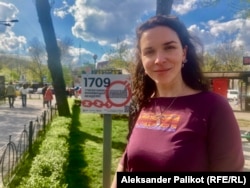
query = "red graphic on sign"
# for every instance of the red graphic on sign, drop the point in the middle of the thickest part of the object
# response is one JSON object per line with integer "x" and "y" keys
{"x": 97, "y": 103}
{"x": 126, "y": 86}
{"x": 109, "y": 103}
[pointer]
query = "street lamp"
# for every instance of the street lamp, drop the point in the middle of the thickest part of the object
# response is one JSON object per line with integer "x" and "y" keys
{"x": 7, "y": 22}
{"x": 95, "y": 58}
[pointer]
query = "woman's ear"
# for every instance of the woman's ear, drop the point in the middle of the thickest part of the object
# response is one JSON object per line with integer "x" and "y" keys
{"x": 185, "y": 49}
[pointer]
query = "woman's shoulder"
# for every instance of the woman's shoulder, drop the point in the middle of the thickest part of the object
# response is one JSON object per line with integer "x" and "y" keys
{"x": 209, "y": 95}
{"x": 207, "y": 99}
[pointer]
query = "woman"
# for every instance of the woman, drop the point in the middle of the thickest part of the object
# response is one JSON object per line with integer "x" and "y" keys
{"x": 24, "y": 91}
{"x": 48, "y": 96}
{"x": 176, "y": 124}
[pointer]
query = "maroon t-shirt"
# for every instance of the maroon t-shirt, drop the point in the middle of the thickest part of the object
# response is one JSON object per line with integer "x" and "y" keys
{"x": 197, "y": 133}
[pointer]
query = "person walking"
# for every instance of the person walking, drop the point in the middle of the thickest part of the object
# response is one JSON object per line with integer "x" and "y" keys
{"x": 48, "y": 96}
{"x": 23, "y": 92}
{"x": 11, "y": 94}
{"x": 175, "y": 123}
{"x": 43, "y": 93}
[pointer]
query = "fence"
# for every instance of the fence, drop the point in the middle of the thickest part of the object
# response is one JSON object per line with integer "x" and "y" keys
{"x": 20, "y": 147}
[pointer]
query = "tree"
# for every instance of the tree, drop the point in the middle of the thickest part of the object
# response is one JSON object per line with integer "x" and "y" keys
{"x": 163, "y": 7}
{"x": 120, "y": 57}
{"x": 53, "y": 53}
{"x": 12, "y": 67}
{"x": 66, "y": 61}
{"x": 211, "y": 64}
{"x": 64, "y": 45}
{"x": 225, "y": 57}
{"x": 37, "y": 53}
{"x": 230, "y": 57}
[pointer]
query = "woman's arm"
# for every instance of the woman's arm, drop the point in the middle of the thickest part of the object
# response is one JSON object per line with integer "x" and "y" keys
{"x": 119, "y": 169}
{"x": 225, "y": 146}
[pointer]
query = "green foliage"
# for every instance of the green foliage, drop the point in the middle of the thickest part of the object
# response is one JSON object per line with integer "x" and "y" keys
{"x": 71, "y": 154}
{"x": 12, "y": 67}
{"x": 120, "y": 57}
{"x": 224, "y": 58}
{"x": 47, "y": 169}
{"x": 77, "y": 102}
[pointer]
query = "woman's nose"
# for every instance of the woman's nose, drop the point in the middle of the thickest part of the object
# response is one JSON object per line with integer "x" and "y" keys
{"x": 160, "y": 58}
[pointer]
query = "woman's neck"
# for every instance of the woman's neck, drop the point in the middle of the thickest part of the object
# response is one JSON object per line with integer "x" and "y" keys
{"x": 174, "y": 90}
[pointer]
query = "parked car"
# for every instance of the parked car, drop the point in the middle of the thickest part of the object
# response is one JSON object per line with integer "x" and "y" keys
{"x": 30, "y": 90}
{"x": 39, "y": 90}
{"x": 232, "y": 94}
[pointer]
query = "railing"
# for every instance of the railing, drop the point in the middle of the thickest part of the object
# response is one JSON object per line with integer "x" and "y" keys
{"x": 20, "y": 147}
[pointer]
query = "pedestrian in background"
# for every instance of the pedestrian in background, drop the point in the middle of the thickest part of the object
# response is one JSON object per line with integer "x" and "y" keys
{"x": 48, "y": 96}
{"x": 176, "y": 123}
{"x": 43, "y": 93}
{"x": 11, "y": 94}
{"x": 23, "y": 92}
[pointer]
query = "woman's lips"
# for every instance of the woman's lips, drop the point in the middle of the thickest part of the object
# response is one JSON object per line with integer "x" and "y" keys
{"x": 162, "y": 70}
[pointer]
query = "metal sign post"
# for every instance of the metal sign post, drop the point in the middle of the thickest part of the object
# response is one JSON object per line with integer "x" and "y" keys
{"x": 107, "y": 146}
{"x": 106, "y": 94}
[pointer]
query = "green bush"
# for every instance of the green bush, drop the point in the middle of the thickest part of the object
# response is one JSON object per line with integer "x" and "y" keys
{"x": 77, "y": 102}
{"x": 48, "y": 167}
{"x": 74, "y": 160}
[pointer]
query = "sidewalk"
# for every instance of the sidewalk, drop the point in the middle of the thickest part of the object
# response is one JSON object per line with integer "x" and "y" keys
{"x": 242, "y": 115}
{"x": 245, "y": 118}
{"x": 12, "y": 120}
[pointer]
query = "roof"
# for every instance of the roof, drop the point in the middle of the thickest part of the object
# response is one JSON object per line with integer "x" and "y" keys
{"x": 231, "y": 75}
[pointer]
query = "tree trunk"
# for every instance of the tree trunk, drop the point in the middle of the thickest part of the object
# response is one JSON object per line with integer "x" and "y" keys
{"x": 53, "y": 51}
{"x": 163, "y": 7}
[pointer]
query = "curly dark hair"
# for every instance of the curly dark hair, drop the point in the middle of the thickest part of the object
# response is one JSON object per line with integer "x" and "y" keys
{"x": 143, "y": 86}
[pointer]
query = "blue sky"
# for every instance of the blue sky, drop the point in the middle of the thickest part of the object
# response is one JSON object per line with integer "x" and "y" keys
{"x": 95, "y": 26}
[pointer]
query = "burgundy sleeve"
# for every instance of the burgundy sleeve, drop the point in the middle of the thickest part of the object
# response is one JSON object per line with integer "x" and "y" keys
{"x": 224, "y": 140}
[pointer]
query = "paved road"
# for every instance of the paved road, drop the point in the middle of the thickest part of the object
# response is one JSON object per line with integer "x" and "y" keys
{"x": 245, "y": 143}
{"x": 12, "y": 120}
{"x": 243, "y": 116}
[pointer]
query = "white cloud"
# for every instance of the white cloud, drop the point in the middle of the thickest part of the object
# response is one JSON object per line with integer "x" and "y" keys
{"x": 8, "y": 11}
{"x": 218, "y": 31}
{"x": 229, "y": 27}
{"x": 242, "y": 39}
{"x": 62, "y": 11}
{"x": 206, "y": 37}
{"x": 107, "y": 21}
{"x": 79, "y": 55}
{"x": 8, "y": 40}
{"x": 184, "y": 6}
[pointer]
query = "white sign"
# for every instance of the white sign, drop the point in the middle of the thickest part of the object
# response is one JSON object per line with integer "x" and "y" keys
{"x": 105, "y": 93}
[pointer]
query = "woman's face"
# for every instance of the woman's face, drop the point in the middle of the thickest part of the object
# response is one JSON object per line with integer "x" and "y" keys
{"x": 162, "y": 55}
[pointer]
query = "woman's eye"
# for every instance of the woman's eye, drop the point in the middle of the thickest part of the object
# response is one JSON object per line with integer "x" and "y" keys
{"x": 148, "y": 52}
{"x": 169, "y": 47}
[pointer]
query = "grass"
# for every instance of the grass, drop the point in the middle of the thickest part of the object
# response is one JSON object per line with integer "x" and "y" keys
{"x": 86, "y": 149}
